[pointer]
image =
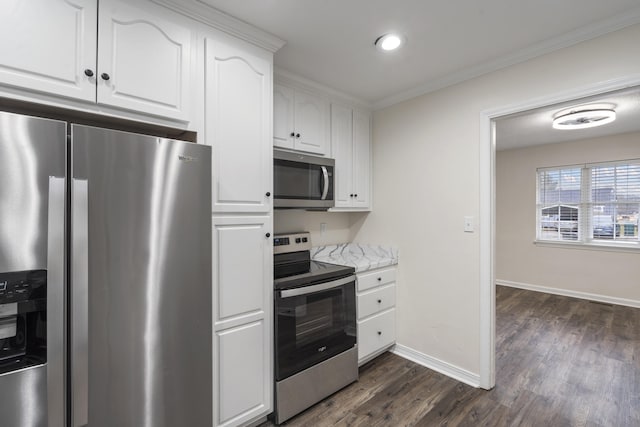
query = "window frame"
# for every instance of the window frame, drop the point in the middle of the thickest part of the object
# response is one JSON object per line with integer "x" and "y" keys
{"x": 585, "y": 238}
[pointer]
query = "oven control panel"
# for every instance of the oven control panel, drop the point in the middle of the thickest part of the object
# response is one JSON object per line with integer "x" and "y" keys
{"x": 292, "y": 242}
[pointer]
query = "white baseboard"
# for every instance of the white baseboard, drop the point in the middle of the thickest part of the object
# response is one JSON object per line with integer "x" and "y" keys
{"x": 568, "y": 293}
{"x": 437, "y": 365}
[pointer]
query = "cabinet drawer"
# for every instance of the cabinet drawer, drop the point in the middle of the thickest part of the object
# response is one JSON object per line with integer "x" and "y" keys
{"x": 376, "y": 300}
{"x": 371, "y": 279}
{"x": 376, "y": 333}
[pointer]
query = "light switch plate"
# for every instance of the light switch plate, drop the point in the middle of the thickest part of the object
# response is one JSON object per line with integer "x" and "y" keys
{"x": 468, "y": 224}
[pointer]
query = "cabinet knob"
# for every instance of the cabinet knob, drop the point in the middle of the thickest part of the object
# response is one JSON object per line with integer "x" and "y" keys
{"x": 379, "y": 301}
{"x": 268, "y": 235}
{"x": 88, "y": 72}
{"x": 105, "y": 76}
{"x": 293, "y": 134}
{"x": 350, "y": 195}
{"x": 379, "y": 332}
{"x": 297, "y": 135}
{"x": 268, "y": 194}
{"x": 379, "y": 279}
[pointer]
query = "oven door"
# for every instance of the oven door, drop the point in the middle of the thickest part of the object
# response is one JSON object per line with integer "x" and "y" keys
{"x": 302, "y": 181}
{"x": 313, "y": 323}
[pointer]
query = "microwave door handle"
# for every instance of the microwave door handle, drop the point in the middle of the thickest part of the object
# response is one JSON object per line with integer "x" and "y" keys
{"x": 325, "y": 187}
{"x": 288, "y": 293}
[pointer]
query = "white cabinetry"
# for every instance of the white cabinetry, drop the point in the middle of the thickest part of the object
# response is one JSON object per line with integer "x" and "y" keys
{"x": 351, "y": 148}
{"x": 142, "y": 62}
{"x": 376, "y": 300}
{"x": 243, "y": 295}
{"x": 301, "y": 120}
{"x": 237, "y": 122}
{"x": 238, "y": 125}
{"x": 45, "y": 46}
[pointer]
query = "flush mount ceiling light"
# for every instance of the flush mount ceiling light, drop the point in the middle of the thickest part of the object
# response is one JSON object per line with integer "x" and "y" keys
{"x": 584, "y": 118}
{"x": 389, "y": 42}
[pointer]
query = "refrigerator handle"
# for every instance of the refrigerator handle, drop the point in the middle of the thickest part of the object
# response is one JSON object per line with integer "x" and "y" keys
{"x": 56, "y": 372}
{"x": 79, "y": 303}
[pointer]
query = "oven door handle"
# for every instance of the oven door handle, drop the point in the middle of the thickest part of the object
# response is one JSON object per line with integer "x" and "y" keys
{"x": 325, "y": 187}
{"x": 288, "y": 293}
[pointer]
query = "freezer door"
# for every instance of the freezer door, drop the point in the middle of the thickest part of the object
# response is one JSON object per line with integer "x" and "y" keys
{"x": 141, "y": 327}
{"x": 32, "y": 242}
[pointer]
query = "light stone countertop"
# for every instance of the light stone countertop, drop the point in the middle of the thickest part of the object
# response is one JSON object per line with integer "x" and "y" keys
{"x": 361, "y": 256}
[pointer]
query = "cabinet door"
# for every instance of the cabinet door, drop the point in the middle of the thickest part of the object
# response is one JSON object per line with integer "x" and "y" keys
{"x": 144, "y": 62}
{"x": 243, "y": 319}
{"x": 342, "y": 152}
{"x": 238, "y": 126}
{"x": 362, "y": 160}
{"x": 243, "y": 379}
{"x": 283, "y": 117}
{"x": 242, "y": 269}
{"x": 311, "y": 117}
{"x": 47, "y": 44}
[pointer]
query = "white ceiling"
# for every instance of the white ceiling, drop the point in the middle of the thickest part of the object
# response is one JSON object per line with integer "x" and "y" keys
{"x": 534, "y": 127}
{"x": 331, "y": 41}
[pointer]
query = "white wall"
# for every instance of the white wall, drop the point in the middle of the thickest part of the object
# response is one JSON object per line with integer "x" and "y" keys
{"x": 426, "y": 171}
{"x": 612, "y": 274}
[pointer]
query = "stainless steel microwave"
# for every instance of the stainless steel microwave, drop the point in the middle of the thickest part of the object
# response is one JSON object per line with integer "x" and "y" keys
{"x": 302, "y": 181}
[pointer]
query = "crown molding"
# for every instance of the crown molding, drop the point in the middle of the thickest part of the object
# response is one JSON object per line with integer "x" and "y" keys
{"x": 208, "y": 15}
{"x": 288, "y": 78}
{"x": 571, "y": 38}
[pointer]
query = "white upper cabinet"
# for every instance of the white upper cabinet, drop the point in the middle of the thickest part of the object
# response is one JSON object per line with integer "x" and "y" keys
{"x": 114, "y": 55}
{"x": 351, "y": 148}
{"x": 45, "y": 46}
{"x": 361, "y": 160}
{"x": 143, "y": 61}
{"x": 238, "y": 125}
{"x": 301, "y": 120}
{"x": 283, "y": 128}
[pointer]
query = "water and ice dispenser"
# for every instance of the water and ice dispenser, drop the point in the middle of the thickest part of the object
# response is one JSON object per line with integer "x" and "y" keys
{"x": 23, "y": 319}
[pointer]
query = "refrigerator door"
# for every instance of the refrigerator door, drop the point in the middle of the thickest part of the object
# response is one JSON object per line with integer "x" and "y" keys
{"x": 141, "y": 329}
{"x": 32, "y": 226}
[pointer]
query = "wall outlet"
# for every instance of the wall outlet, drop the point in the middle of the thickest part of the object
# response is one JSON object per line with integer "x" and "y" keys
{"x": 468, "y": 224}
{"x": 323, "y": 228}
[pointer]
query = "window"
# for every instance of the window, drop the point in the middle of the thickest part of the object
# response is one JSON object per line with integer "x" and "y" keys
{"x": 593, "y": 203}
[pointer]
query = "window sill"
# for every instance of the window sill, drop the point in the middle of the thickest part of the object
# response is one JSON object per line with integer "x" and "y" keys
{"x": 591, "y": 246}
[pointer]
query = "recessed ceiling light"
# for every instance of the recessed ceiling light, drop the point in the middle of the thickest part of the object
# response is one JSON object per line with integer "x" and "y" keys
{"x": 583, "y": 119}
{"x": 389, "y": 42}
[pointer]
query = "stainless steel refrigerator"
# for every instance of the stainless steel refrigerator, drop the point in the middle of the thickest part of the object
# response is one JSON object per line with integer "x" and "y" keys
{"x": 105, "y": 277}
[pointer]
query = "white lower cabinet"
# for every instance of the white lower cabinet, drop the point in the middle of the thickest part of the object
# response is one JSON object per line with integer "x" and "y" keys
{"x": 376, "y": 300}
{"x": 243, "y": 319}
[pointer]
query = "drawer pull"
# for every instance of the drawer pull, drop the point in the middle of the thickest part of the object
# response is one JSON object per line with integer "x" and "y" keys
{"x": 379, "y": 301}
{"x": 379, "y": 332}
{"x": 379, "y": 279}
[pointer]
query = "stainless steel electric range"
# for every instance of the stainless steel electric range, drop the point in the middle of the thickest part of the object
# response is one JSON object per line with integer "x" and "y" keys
{"x": 315, "y": 326}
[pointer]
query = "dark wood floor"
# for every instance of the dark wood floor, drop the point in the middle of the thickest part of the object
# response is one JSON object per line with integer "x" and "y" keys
{"x": 560, "y": 362}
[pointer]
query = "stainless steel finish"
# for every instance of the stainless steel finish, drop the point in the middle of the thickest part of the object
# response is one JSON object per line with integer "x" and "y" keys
{"x": 305, "y": 290}
{"x": 306, "y": 388}
{"x": 305, "y": 158}
{"x": 56, "y": 305}
{"x": 32, "y": 150}
{"x": 292, "y": 246}
{"x": 325, "y": 182}
{"x": 23, "y": 398}
{"x": 149, "y": 279}
{"x": 79, "y": 302}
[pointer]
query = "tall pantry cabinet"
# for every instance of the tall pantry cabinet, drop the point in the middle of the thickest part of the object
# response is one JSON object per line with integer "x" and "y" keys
{"x": 238, "y": 123}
